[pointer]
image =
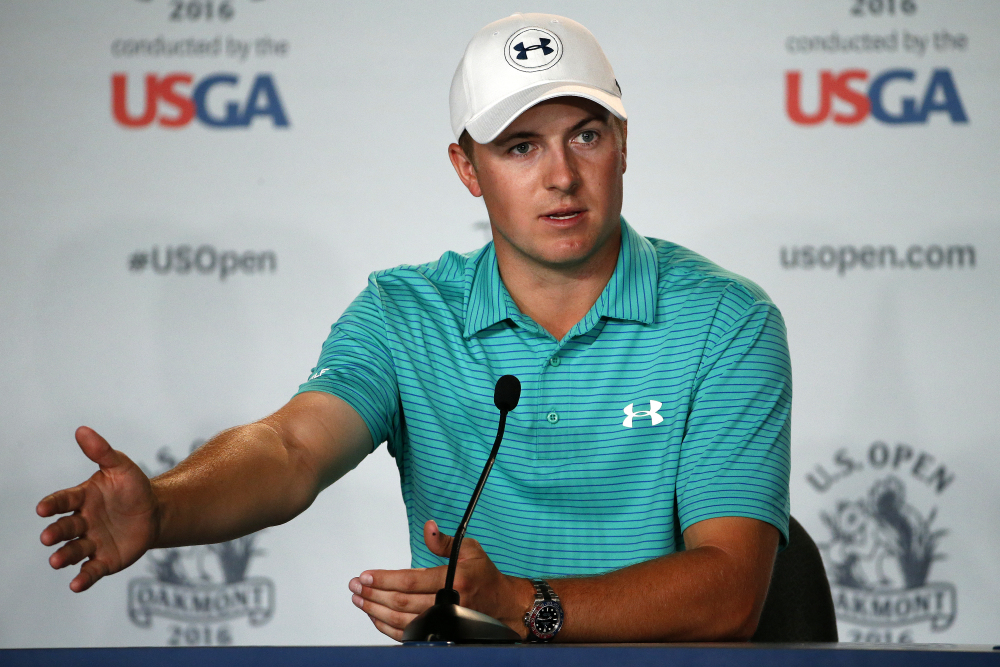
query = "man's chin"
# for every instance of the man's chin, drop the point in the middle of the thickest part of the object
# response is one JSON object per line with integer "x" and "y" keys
{"x": 565, "y": 258}
{"x": 561, "y": 251}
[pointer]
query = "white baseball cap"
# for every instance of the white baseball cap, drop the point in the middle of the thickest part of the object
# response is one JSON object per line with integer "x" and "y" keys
{"x": 515, "y": 63}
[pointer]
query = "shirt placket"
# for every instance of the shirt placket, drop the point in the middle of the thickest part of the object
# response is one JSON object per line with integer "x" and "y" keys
{"x": 553, "y": 413}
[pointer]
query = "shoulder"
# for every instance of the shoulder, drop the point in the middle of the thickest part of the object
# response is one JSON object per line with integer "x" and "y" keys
{"x": 697, "y": 294}
{"x": 451, "y": 268}
{"x": 426, "y": 290}
{"x": 684, "y": 272}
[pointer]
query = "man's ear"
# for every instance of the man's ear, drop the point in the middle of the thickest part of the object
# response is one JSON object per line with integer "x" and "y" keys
{"x": 624, "y": 146}
{"x": 465, "y": 169}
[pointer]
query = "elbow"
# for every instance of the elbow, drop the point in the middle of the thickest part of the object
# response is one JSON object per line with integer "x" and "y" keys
{"x": 745, "y": 630}
{"x": 296, "y": 480}
{"x": 739, "y": 623}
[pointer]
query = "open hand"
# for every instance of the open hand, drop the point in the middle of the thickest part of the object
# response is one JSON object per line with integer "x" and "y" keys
{"x": 114, "y": 516}
{"x": 393, "y": 598}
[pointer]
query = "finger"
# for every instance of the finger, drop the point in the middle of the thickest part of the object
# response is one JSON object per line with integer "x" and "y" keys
{"x": 60, "y": 502}
{"x": 90, "y": 573}
{"x": 72, "y": 553}
{"x": 441, "y": 544}
{"x": 413, "y": 603}
{"x": 470, "y": 549}
{"x": 438, "y": 543}
{"x": 387, "y": 630}
{"x": 97, "y": 448}
{"x": 390, "y": 617}
{"x": 420, "y": 580}
{"x": 66, "y": 528}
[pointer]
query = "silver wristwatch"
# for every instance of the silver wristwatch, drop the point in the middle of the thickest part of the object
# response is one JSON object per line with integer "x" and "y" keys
{"x": 545, "y": 618}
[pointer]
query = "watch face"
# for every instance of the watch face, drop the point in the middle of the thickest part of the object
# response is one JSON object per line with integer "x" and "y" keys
{"x": 546, "y": 619}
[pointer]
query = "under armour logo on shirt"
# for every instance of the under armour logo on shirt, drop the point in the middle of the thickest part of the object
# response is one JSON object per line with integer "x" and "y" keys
{"x": 543, "y": 44}
{"x": 654, "y": 406}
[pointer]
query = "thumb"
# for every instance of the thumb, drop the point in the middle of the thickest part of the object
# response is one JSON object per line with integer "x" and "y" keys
{"x": 97, "y": 448}
{"x": 436, "y": 541}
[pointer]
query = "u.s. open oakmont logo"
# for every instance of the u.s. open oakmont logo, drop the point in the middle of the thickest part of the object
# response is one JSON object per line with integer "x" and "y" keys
{"x": 884, "y": 540}
{"x": 199, "y": 590}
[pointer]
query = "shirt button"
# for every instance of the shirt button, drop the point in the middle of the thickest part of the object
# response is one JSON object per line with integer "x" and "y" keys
{"x": 554, "y": 361}
{"x": 552, "y": 417}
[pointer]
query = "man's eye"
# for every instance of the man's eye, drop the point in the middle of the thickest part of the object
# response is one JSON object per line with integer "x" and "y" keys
{"x": 521, "y": 148}
{"x": 588, "y": 136}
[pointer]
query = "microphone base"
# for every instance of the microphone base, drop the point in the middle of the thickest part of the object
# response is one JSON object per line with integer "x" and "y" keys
{"x": 446, "y": 622}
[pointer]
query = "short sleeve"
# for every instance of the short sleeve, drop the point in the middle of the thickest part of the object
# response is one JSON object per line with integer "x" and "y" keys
{"x": 356, "y": 365}
{"x": 735, "y": 457}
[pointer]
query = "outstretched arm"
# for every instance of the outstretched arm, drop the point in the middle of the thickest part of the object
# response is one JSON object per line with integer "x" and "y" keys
{"x": 244, "y": 479}
{"x": 712, "y": 591}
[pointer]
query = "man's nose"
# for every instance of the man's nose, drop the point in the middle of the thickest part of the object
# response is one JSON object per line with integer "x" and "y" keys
{"x": 560, "y": 170}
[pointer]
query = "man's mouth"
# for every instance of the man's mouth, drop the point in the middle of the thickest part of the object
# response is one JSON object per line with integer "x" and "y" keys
{"x": 563, "y": 215}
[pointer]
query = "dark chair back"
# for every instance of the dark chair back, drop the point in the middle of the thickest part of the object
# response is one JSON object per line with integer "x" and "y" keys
{"x": 798, "y": 607}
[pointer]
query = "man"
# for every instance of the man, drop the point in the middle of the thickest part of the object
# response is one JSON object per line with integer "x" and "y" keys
{"x": 644, "y": 473}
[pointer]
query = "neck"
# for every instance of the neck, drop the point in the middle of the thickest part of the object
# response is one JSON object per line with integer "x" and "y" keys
{"x": 557, "y": 297}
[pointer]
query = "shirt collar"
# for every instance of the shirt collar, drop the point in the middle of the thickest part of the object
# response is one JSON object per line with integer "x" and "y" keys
{"x": 631, "y": 291}
{"x": 629, "y": 295}
{"x": 487, "y": 300}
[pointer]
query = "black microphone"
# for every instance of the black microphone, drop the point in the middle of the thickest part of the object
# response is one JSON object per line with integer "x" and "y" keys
{"x": 446, "y": 621}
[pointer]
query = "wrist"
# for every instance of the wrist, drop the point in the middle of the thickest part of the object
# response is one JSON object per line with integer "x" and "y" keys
{"x": 520, "y": 598}
{"x": 156, "y": 517}
{"x": 545, "y": 618}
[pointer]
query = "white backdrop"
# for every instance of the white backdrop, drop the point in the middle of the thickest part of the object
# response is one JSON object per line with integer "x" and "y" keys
{"x": 272, "y": 227}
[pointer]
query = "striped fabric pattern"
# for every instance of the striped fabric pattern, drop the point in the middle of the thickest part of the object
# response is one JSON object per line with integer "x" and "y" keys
{"x": 667, "y": 404}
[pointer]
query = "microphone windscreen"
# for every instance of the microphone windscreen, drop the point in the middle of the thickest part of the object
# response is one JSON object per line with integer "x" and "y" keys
{"x": 507, "y": 393}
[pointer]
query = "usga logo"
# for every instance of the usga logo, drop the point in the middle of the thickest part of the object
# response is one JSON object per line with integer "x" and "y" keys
{"x": 894, "y": 96}
{"x": 214, "y": 100}
{"x": 883, "y": 541}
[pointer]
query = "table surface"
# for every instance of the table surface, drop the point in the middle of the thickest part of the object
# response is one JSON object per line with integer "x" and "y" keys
{"x": 679, "y": 655}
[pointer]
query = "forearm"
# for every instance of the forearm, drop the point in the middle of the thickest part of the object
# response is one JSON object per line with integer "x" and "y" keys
{"x": 693, "y": 595}
{"x": 244, "y": 479}
{"x": 712, "y": 591}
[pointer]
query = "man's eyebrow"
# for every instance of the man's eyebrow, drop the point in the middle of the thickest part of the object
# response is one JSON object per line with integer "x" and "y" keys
{"x": 500, "y": 141}
{"x": 587, "y": 120}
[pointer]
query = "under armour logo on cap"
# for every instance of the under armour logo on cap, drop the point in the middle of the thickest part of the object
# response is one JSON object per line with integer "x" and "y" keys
{"x": 654, "y": 407}
{"x": 544, "y": 50}
{"x": 543, "y": 44}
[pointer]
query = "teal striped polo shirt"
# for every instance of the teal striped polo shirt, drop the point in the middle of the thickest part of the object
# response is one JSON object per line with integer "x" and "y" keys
{"x": 667, "y": 404}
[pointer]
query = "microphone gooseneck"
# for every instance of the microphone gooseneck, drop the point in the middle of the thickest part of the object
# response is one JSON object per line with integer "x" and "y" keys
{"x": 446, "y": 620}
{"x": 505, "y": 396}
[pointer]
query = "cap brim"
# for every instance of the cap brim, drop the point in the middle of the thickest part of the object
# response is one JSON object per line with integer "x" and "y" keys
{"x": 487, "y": 125}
